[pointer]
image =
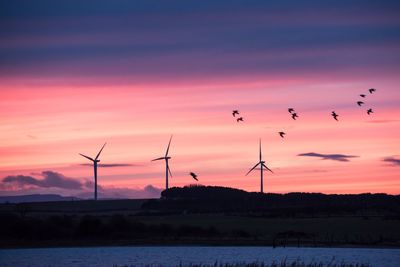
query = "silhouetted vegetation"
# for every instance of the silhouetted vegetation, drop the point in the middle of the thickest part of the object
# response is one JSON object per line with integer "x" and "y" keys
{"x": 206, "y": 199}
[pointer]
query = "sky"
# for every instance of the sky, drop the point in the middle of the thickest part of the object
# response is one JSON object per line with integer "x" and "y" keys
{"x": 77, "y": 74}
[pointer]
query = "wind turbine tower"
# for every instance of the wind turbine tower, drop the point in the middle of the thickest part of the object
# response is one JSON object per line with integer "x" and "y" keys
{"x": 167, "y": 169}
{"x": 95, "y": 161}
{"x": 262, "y": 166}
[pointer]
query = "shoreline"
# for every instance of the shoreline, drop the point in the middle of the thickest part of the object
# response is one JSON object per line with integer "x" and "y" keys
{"x": 45, "y": 245}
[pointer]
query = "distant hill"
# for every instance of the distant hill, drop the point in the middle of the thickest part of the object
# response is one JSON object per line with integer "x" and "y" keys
{"x": 34, "y": 198}
{"x": 223, "y": 199}
{"x": 214, "y": 199}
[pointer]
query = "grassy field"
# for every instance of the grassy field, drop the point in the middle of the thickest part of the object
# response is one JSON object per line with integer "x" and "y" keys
{"x": 266, "y": 226}
{"x": 326, "y": 230}
{"x": 126, "y": 222}
{"x": 211, "y": 229}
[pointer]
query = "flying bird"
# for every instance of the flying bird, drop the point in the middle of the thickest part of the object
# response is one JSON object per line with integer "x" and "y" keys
{"x": 294, "y": 116}
{"x": 334, "y": 115}
{"x": 362, "y": 95}
{"x": 235, "y": 112}
{"x": 239, "y": 119}
{"x": 360, "y": 103}
{"x": 194, "y": 176}
{"x": 290, "y": 110}
{"x": 282, "y": 134}
{"x": 371, "y": 90}
{"x": 369, "y": 111}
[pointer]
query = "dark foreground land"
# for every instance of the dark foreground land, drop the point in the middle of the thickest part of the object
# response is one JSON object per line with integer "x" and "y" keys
{"x": 207, "y": 216}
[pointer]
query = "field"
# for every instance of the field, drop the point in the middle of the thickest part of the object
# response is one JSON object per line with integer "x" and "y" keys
{"x": 352, "y": 228}
{"x": 115, "y": 228}
{"x": 207, "y": 216}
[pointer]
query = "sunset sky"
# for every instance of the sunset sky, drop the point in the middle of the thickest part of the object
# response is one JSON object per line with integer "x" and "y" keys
{"x": 76, "y": 74}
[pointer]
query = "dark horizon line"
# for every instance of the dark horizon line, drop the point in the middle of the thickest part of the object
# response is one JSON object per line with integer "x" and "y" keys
{"x": 222, "y": 187}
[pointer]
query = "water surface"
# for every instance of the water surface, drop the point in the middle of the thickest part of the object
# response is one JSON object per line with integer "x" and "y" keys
{"x": 139, "y": 256}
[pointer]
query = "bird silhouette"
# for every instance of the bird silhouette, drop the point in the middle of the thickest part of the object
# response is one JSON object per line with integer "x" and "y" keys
{"x": 371, "y": 90}
{"x": 334, "y": 115}
{"x": 360, "y": 103}
{"x": 235, "y": 112}
{"x": 239, "y": 119}
{"x": 194, "y": 176}
{"x": 290, "y": 110}
{"x": 362, "y": 95}
{"x": 282, "y": 134}
{"x": 369, "y": 111}
{"x": 294, "y": 116}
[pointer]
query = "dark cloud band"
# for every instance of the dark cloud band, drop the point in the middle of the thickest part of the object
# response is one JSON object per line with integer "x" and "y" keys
{"x": 392, "y": 160}
{"x": 336, "y": 157}
{"x": 110, "y": 165}
{"x": 217, "y": 38}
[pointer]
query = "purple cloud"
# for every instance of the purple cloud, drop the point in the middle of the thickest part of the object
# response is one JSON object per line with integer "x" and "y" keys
{"x": 50, "y": 179}
{"x": 148, "y": 191}
{"x": 57, "y": 183}
{"x": 336, "y": 157}
{"x": 392, "y": 160}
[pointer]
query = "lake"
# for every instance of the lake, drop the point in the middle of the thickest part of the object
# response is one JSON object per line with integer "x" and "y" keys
{"x": 139, "y": 256}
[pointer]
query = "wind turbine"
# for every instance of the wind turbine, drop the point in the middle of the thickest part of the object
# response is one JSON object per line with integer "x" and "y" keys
{"x": 95, "y": 161}
{"x": 167, "y": 170}
{"x": 262, "y": 166}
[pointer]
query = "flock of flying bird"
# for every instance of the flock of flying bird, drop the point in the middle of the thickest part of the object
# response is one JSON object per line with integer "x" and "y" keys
{"x": 294, "y": 113}
{"x": 260, "y": 164}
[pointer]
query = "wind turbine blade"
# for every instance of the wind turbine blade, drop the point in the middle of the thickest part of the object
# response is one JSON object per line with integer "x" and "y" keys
{"x": 158, "y": 159}
{"x": 260, "y": 150}
{"x": 265, "y": 166}
{"x": 166, "y": 153}
{"x": 169, "y": 170}
{"x": 255, "y": 166}
{"x": 89, "y": 158}
{"x": 100, "y": 151}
